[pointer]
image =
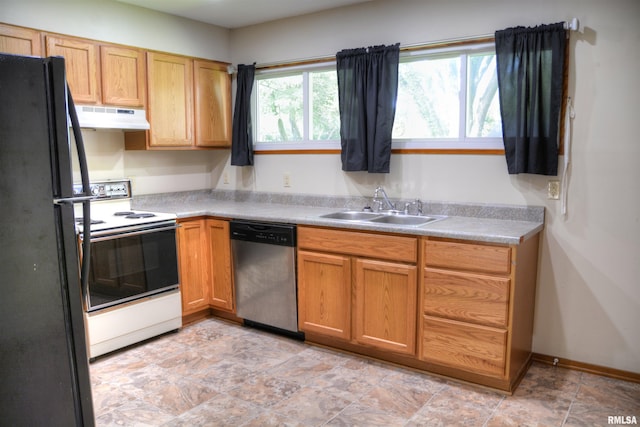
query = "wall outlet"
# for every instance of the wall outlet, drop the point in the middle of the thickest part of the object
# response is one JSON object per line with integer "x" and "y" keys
{"x": 286, "y": 179}
{"x": 553, "y": 190}
{"x": 225, "y": 177}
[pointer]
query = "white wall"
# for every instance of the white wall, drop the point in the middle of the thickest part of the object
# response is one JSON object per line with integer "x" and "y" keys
{"x": 588, "y": 301}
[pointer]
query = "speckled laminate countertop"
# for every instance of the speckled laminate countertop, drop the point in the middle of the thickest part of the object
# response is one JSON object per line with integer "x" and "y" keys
{"x": 508, "y": 224}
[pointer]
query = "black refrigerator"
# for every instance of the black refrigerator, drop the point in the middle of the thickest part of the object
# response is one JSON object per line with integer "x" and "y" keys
{"x": 44, "y": 368}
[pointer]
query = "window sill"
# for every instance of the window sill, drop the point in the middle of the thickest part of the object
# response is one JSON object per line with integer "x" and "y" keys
{"x": 491, "y": 147}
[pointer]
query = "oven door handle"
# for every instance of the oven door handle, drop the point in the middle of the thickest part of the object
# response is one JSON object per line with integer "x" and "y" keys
{"x": 130, "y": 232}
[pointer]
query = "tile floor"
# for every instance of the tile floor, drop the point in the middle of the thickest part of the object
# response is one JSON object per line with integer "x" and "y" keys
{"x": 214, "y": 373}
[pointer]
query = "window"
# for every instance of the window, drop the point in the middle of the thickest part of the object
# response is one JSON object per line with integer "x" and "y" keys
{"x": 447, "y": 99}
{"x": 297, "y": 109}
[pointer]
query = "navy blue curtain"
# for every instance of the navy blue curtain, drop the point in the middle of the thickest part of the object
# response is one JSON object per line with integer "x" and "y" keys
{"x": 242, "y": 136}
{"x": 530, "y": 64}
{"x": 367, "y": 89}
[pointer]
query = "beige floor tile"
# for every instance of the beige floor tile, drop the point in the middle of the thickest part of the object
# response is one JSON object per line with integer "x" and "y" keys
{"x": 216, "y": 373}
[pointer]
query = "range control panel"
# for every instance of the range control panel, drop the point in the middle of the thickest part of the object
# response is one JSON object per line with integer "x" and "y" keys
{"x": 106, "y": 189}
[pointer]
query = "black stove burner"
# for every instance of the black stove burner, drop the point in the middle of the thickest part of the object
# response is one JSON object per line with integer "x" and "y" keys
{"x": 123, "y": 213}
{"x": 80, "y": 220}
{"x": 140, "y": 215}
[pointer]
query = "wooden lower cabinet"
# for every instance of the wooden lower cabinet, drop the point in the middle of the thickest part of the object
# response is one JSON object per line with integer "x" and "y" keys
{"x": 476, "y": 308}
{"x": 220, "y": 279}
{"x": 476, "y": 348}
{"x": 192, "y": 266}
{"x": 204, "y": 258}
{"x": 344, "y": 293}
{"x": 324, "y": 294}
{"x": 385, "y": 305}
{"x": 462, "y": 309}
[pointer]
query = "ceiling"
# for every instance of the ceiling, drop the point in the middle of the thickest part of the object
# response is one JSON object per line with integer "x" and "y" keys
{"x": 239, "y": 13}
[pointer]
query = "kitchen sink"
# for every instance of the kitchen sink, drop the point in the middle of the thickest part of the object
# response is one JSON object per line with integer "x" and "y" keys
{"x": 405, "y": 219}
{"x": 352, "y": 215}
{"x": 382, "y": 218}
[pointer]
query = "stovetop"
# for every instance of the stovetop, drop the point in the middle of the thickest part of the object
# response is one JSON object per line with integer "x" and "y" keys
{"x": 117, "y": 216}
{"x": 112, "y": 208}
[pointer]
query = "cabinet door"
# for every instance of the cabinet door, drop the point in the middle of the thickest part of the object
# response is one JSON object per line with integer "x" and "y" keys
{"x": 191, "y": 256}
{"x": 324, "y": 294}
{"x": 386, "y": 305}
{"x": 19, "y": 41}
{"x": 219, "y": 256}
{"x": 81, "y": 63}
{"x": 213, "y": 104}
{"x": 170, "y": 92}
{"x": 123, "y": 74}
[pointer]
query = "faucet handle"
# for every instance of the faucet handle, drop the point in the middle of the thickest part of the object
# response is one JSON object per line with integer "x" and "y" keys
{"x": 418, "y": 203}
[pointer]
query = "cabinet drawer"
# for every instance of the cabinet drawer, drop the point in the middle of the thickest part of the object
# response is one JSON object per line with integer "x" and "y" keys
{"x": 473, "y": 348}
{"x": 381, "y": 246}
{"x": 468, "y": 256}
{"x": 467, "y": 297}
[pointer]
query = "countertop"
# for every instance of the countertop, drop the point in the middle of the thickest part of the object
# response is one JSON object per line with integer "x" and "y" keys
{"x": 509, "y": 224}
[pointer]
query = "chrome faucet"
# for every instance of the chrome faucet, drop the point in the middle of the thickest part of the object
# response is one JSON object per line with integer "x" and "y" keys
{"x": 385, "y": 198}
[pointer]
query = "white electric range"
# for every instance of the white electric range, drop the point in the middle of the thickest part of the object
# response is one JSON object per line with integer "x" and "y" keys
{"x": 132, "y": 292}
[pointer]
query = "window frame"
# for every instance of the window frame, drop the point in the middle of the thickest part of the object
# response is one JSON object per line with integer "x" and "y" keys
{"x": 306, "y": 144}
{"x": 461, "y": 143}
{"x": 488, "y": 146}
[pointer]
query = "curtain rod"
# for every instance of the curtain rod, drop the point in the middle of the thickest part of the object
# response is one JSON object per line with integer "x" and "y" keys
{"x": 572, "y": 25}
{"x": 437, "y": 44}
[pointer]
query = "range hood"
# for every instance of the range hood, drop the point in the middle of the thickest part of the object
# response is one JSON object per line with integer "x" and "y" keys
{"x": 104, "y": 117}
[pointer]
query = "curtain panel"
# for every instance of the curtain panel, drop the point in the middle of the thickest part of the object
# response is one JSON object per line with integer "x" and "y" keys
{"x": 367, "y": 91}
{"x": 530, "y": 65}
{"x": 242, "y": 132}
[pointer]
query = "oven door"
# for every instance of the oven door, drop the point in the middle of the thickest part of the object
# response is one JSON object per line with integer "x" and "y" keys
{"x": 131, "y": 263}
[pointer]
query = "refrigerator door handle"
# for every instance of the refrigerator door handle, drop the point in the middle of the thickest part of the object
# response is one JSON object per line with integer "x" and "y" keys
{"x": 72, "y": 200}
{"x": 86, "y": 204}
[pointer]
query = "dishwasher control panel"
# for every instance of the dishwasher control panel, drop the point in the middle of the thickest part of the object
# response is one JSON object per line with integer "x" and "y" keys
{"x": 261, "y": 232}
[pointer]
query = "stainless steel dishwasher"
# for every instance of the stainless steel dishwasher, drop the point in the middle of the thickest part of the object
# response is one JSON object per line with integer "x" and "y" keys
{"x": 264, "y": 260}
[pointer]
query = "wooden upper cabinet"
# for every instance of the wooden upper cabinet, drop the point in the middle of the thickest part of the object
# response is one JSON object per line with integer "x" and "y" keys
{"x": 81, "y": 63}
{"x": 213, "y": 104}
{"x": 20, "y": 41}
{"x": 188, "y": 100}
{"x": 170, "y": 108}
{"x": 123, "y": 76}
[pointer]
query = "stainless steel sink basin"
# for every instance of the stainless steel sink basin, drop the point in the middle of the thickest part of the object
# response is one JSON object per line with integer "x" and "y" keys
{"x": 351, "y": 215}
{"x": 382, "y": 218}
{"x": 405, "y": 219}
